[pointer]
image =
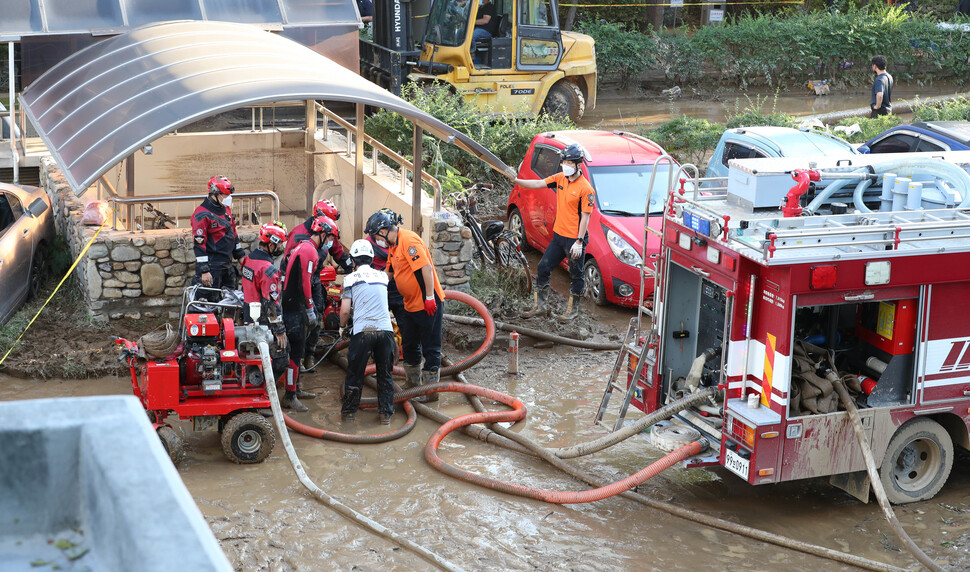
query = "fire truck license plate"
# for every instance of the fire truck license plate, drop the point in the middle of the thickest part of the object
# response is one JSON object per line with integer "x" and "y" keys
{"x": 736, "y": 463}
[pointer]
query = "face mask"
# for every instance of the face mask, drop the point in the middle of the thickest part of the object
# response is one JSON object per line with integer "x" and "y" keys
{"x": 327, "y": 245}
{"x": 380, "y": 242}
{"x": 227, "y": 201}
{"x": 568, "y": 170}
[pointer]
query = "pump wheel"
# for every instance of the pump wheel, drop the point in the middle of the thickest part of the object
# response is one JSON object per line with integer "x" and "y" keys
{"x": 565, "y": 99}
{"x": 173, "y": 444}
{"x": 248, "y": 438}
{"x": 917, "y": 462}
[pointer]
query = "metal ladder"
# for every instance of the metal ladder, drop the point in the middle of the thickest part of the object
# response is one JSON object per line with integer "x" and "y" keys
{"x": 631, "y": 342}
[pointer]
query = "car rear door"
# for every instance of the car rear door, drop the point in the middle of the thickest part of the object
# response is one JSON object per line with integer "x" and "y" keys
{"x": 16, "y": 248}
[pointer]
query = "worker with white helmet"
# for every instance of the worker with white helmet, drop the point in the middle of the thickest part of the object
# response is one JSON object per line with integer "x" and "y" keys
{"x": 365, "y": 294}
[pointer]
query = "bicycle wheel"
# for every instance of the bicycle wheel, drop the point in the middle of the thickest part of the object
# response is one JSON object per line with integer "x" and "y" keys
{"x": 485, "y": 251}
{"x": 513, "y": 263}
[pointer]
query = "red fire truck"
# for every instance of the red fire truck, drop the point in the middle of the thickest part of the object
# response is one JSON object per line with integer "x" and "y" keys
{"x": 861, "y": 267}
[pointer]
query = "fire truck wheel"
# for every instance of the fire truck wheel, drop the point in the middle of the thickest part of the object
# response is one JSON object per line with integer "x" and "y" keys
{"x": 917, "y": 462}
{"x": 173, "y": 444}
{"x": 248, "y": 438}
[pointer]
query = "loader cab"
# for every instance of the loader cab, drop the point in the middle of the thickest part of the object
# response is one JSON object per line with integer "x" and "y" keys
{"x": 524, "y": 35}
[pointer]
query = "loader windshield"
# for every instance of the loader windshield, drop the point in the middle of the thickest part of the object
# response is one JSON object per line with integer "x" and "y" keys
{"x": 448, "y": 22}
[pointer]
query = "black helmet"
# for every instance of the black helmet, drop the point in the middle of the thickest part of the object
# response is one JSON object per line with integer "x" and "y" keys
{"x": 398, "y": 219}
{"x": 573, "y": 153}
{"x": 379, "y": 221}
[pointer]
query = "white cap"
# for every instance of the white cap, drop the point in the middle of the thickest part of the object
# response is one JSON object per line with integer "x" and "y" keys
{"x": 361, "y": 247}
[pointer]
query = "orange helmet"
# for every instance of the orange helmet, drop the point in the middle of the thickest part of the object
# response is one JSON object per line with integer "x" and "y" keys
{"x": 326, "y": 208}
{"x": 220, "y": 185}
{"x": 272, "y": 234}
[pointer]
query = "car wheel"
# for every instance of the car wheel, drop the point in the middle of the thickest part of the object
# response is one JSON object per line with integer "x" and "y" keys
{"x": 517, "y": 227}
{"x": 594, "y": 282}
{"x": 917, "y": 462}
{"x": 565, "y": 99}
{"x": 38, "y": 271}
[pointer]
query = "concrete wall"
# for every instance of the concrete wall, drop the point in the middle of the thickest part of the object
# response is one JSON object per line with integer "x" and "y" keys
{"x": 92, "y": 471}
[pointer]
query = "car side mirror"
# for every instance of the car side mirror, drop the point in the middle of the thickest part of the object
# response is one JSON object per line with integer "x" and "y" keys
{"x": 37, "y": 208}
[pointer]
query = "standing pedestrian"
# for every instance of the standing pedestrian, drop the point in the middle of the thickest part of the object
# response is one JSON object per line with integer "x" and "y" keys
{"x": 365, "y": 294}
{"x": 216, "y": 241}
{"x": 574, "y": 203}
{"x": 261, "y": 285}
{"x": 882, "y": 89}
{"x": 410, "y": 265}
{"x": 299, "y": 311}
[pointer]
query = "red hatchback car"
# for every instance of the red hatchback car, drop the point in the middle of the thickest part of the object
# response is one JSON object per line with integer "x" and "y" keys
{"x": 619, "y": 166}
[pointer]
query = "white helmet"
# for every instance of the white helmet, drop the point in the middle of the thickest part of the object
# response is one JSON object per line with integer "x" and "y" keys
{"x": 361, "y": 247}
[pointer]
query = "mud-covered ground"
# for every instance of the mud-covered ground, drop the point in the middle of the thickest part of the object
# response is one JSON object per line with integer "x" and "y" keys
{"x": 265, "y": 520}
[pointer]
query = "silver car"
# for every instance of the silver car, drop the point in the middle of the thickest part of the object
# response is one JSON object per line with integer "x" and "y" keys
{"x": 26, "y": 233}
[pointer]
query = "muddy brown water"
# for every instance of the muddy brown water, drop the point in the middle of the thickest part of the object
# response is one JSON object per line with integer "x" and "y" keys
{"x": 265, "y": 520}
{"x": 618, "y": 110}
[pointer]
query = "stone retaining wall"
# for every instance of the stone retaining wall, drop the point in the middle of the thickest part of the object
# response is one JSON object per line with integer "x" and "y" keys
{"x": 142, "y": 274}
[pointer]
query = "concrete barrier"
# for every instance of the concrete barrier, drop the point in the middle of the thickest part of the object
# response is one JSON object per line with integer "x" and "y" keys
{"x": 85, "y": 483}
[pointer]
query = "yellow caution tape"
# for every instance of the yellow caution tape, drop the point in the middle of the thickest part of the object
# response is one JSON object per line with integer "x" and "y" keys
{"x": 61, "y": 283}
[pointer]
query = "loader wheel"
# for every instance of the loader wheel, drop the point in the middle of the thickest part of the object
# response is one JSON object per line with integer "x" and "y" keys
{"x": 173, "y": 444}
{"x": 248, "y": 438}
{"x": 917, "y": 462}
{"x": 565, "y": 99}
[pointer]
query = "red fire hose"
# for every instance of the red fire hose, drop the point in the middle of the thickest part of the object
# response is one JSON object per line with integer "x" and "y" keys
{"x": 464, "y": 364}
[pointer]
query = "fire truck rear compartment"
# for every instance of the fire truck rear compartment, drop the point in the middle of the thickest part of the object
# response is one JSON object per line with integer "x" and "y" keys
{"x": 696, "y": 311}
{"x": 872, "y": 340}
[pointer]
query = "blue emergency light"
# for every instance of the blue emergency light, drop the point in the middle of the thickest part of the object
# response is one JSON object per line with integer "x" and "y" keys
{"x": 697, "y": 223}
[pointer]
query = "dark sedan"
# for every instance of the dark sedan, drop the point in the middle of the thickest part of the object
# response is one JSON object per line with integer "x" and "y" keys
{"x": 925, "y": 136}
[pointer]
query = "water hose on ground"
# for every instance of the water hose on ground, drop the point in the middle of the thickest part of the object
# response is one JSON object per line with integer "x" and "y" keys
{"x": 694, "y": 516}
{"x": 538, "y": 334}
{"x": 319, "y": 433}
{"x": 635, "y": 428}
{"x": 326, "y": 499}
{"x": 874, "y": 480}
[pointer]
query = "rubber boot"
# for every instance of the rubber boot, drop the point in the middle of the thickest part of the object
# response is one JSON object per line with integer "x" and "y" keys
{"x": 429, "y": 377}
{"x": 291, "y": 402}
{"x": 386, "y": 418}
{"x": 540, "y": 304}
{"x": 304, "y": 394}
{"x": 308, "y": 363}
{"x": 413, "y": 373}
{"x": 572, "y": 308}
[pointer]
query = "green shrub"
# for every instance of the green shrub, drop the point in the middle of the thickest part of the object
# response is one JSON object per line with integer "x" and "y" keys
{"x": 957, "y": 109}
{"x": 506, "y": 135}
{"x": 622, "y": 55}
{"x": 687, "y": 139}
{"x": 754, "y": 114}
{"x": 870, "y": 127}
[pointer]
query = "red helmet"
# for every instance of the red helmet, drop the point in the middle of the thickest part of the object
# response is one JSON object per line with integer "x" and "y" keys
{"x": 324, "y": 225}
{"x": 326, "y": 208}
{"x": 220, "y": 185}
{"x": 272, "y": 234}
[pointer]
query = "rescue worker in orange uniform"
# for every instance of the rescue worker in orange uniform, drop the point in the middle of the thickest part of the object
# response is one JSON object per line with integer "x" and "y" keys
{"x": 216, "y": 241}
{"x": 574, "y": 203}
{"x": 411, "y": 268}
{"x": 262, "y": 284}
{"x": 299, "y": 310}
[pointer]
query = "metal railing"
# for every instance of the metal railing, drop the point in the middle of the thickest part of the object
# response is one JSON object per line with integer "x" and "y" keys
{"x": 247, "y": 203}
{"x": 378, "y": 149}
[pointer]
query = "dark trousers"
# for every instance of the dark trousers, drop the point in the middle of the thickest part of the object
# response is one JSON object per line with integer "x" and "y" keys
{"x": 296, "y": 334}
{"x": 421, "y": 336}
{"x": 222, "y": 277}
{"x": 558, "y": 250}
{"x": 362, "y": 347}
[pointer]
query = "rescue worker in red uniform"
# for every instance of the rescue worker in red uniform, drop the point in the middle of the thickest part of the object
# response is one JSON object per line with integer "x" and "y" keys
{"x": 262, "y": 284}
{"x": 395, "y": 301}
{"x": 299, "y": 310}
{"x": 216, "y": 241}
{"x": 329, "y": 242}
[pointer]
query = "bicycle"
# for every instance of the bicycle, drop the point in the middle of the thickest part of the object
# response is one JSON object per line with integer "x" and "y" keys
{"x": 494, "y": 245}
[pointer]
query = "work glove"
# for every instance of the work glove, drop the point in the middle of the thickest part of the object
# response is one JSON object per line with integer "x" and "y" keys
{"x": 311, "y": 315}
{"x": 577, "y": 250}
{"x": 430, "y": 306}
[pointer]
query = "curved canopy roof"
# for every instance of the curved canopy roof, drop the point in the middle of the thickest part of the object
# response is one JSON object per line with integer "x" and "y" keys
{"x": 108, "y": 100}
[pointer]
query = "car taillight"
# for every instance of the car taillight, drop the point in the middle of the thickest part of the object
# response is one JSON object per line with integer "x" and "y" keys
{"x": 742, "y": 432}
